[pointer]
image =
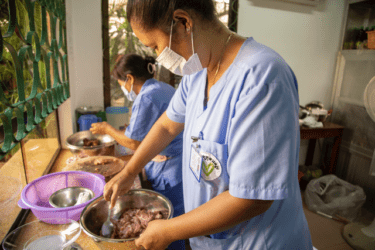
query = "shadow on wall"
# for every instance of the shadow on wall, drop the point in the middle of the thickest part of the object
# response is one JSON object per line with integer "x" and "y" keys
{"x": 288, "y": 5}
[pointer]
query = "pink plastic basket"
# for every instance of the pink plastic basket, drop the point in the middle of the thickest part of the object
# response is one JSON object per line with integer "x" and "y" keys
{"x": 35, "y": 196}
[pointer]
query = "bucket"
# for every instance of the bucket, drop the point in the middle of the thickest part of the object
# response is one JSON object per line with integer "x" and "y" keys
{"x": 90, "y": 110}
{"x": 85, "y": 121}
{"x": 117, "y": 117}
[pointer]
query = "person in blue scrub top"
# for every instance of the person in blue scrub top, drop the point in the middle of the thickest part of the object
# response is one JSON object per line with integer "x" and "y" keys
{"x": 151, "y": 99}
{"x": 238, "y": 106}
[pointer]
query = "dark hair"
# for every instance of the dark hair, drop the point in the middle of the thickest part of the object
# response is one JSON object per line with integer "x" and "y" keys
{"x": 159, "y": 13}
{"x": 135, "y": 65}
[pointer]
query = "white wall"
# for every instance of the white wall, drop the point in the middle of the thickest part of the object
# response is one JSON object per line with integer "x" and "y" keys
{"x": 65, "y": 121}
{"x": 84, "y": 38}
{"x": 307, "y": 37}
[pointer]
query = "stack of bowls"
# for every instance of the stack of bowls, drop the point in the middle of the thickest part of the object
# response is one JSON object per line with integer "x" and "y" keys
{"x": 36, "y": 195}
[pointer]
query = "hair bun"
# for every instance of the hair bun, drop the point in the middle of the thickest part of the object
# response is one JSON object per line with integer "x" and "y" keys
{"x": 150, "y": 59}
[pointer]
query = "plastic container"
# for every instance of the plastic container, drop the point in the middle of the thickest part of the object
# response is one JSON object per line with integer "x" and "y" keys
{"x": 90, "y": 110}
{"x": 35, "y": 196}
{"x": 39, "y": 235}
{"x": 117, "y": 116}
{"x": 85, "y": 121}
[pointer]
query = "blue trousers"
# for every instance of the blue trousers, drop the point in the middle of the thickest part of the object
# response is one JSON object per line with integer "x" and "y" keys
{"x": 175, "y": 195}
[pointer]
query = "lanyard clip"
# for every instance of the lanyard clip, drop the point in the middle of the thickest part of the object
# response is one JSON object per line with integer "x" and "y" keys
{"x": 195, "y": 138}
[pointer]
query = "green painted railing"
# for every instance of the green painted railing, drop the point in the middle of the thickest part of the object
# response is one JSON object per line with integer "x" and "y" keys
{"x": 43, "y": 47}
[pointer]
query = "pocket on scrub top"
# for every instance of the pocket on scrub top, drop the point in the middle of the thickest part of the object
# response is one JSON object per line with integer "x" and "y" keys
{"x": 214, "y": 176}
{"x": 215, "y": 156}
{"x": 202, "y": 242}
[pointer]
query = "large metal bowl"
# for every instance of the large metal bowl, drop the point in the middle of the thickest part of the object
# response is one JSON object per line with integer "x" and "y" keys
{"x": 95, "y": 214}
{"x": 106, "y": 146}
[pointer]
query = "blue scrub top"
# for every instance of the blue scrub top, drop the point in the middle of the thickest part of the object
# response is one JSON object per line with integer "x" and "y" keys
{"x": 150, "y": 104}
{"x": 249, "y": 132}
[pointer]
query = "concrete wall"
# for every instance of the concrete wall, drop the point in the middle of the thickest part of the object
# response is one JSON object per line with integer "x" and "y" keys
{"x": 84, "y": 42}
{"x": 84, "y": 38}
{"x": 307, "y": 37}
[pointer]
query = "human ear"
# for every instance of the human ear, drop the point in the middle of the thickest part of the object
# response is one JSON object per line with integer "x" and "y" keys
{"x": 130, "y": 79}
{"x": 183, "y": 20}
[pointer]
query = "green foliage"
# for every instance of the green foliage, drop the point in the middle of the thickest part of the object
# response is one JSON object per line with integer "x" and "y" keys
{"x": 42, "y": 74}
{"x": 4, "y": 15}
{"x": 22, "y": 17}
{"x": 18, "y": 79}
{"x": 122, "y": 38}
{"x": 122, "y": 41}
{"x": 8, "y": 73}
{"x": 38, "y": 18}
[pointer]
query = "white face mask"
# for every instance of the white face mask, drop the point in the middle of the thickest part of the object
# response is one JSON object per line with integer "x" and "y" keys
{"x": 132, "y": 95}
{"x": 176, "y": 63}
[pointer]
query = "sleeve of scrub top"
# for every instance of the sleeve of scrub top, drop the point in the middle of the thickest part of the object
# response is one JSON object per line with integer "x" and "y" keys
{"x": 144, "y": 115}
{"x": 177, "y": 106}
{"x": 263, "y": 142}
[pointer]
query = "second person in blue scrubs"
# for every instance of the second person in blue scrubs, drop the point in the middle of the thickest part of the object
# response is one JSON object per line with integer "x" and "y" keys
{"x": 151, "y": 99}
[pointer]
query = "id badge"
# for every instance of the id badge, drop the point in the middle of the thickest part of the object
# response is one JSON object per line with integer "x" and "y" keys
{"x": 196, "y": 163}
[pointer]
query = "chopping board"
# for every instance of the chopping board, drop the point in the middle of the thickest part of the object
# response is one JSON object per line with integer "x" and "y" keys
{"x": 107, "y": 166}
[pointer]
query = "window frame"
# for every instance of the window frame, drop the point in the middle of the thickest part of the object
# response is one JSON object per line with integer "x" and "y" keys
{"x": 58, "y": 85}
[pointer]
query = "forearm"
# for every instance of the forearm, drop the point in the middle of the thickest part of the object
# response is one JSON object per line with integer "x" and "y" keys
{"x": 122, "y": 139}
{"x": 217, "y": 215}
{"x": 161, "y": 134}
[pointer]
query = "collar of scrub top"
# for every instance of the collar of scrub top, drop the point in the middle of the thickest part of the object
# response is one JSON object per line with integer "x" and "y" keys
{"x": 146, "y": 83}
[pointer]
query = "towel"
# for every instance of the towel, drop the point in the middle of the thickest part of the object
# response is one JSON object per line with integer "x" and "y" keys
{"x": 311, "y": 122}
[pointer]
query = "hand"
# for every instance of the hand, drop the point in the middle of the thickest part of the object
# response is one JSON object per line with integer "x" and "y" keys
{"x": 100, "y": 128}
{"x": 118, "y": 185}
{"x": 155, "y": 237}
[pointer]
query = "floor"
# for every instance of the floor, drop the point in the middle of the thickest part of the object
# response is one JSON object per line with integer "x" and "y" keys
{"x": 326, "y": 233}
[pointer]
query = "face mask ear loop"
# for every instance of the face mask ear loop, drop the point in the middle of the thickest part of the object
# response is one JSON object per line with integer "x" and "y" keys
{"x": 170, "y": 37}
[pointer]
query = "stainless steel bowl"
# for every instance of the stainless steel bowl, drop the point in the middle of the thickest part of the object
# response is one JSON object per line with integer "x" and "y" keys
{"x": 95, "y": 214}
{"x": 314, "y": 105}
{"x": 106, "y": 146}
{"x": 68, "y": 197}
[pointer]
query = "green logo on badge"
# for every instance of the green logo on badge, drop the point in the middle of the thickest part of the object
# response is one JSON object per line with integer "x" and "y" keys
{"x": 207, "y": 169}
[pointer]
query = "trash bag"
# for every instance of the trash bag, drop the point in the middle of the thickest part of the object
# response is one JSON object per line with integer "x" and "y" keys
{"x": 331, "y": 195}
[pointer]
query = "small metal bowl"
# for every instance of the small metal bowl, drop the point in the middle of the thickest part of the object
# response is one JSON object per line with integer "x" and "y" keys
{"x": 68, "y": 197}
{"x": 76, "y": 146}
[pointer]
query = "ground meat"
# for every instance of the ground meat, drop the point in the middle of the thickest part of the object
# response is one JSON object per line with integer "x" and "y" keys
{"x": 101, "y": 161}
{"x": 134, "y": 221}
{"x": 90, "y": 143}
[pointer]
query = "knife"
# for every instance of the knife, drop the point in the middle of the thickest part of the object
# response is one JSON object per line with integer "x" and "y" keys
{"x": 334, "y": 217}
